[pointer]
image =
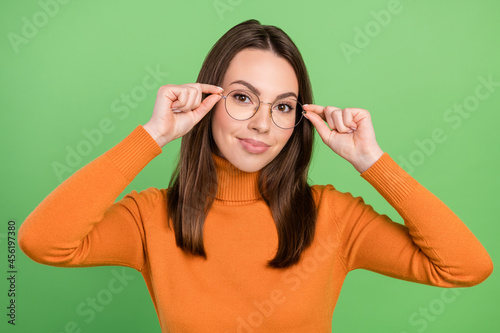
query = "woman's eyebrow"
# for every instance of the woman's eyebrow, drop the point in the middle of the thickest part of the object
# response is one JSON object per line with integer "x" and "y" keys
{"x": 256, "y": 91}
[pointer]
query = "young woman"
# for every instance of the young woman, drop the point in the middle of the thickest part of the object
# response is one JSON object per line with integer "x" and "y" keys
{"x": 239, "y": 242}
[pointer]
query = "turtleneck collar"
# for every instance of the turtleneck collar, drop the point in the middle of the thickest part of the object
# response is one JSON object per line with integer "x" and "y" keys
{"x": 235, "y": 186}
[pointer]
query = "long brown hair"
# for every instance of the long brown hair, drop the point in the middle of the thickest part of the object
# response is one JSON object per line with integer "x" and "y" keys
{"x": 282, "y": 183}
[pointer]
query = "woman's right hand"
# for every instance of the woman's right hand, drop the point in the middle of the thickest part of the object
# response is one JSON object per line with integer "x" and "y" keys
{"x": 178, "y": 108}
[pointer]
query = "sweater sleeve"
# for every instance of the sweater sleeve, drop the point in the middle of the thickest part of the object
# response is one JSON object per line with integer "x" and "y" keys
{"x": 78, "y": 223}
{"x": 433, "y": 247}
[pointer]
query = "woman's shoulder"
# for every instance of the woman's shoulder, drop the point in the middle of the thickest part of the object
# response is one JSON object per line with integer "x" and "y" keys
{"x": 147, "y": 198}
{"x": 330, "y": 194}
{"x": 320, "y": 190}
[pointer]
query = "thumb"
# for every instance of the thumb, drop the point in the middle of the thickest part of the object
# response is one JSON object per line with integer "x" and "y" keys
{"x": 162, "y": 102}
{"x": 206, "y": 105}
{"x": 323, "y": 130}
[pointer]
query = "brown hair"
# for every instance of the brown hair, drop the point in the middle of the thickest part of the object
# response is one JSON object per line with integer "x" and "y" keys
{"x": 282, "y": 183}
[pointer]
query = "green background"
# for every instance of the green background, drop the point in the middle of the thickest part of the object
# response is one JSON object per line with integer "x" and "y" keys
{"x": 70, "y": 71}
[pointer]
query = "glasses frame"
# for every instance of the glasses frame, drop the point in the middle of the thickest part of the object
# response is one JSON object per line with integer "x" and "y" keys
{"x": 258, "y": 107}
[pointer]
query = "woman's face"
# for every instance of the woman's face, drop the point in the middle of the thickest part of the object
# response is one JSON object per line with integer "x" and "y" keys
{"x": 270, "y": 76}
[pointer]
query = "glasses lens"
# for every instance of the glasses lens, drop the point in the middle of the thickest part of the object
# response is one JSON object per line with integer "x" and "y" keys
{"x": 287, "y": 113}
{"x": 241, "y": 104}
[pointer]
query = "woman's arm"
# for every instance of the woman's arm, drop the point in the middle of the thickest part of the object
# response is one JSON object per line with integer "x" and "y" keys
{"x": 432, "y": 247}
{"x": 78, "y": 223}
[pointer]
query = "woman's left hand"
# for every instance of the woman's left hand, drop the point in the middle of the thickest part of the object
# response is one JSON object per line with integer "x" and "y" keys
{"x": 350, "y": 135}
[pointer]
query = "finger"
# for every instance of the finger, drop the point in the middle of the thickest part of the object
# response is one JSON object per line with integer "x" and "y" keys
{"x": 197, "y": 102}
{"x": 200, "y": 95}
{"x": 210, "y": 88}
{"x": 348, "y": 121}
{"x": 163, "y": 101}
{"x": 338, "y": 119}
{"x": 318, "y": 109}
{"x": 206, "y": 105}
{"x": 323, "y": 130}
{"x": 180, "y": 98}
{"x": 194, "y": 97}
{"x": 170, "y": 97}
{"x": 358, "y": 115}
{"x": 191, "y": 101}
{"x": 329, "y": 117}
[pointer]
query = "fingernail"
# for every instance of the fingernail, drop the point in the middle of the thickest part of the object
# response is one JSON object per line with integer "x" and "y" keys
{"x": 353, "y": 128}
{"x": 305, "y": 114}
{"x": 305, "y": 105}
{"x": 220, "y": 88}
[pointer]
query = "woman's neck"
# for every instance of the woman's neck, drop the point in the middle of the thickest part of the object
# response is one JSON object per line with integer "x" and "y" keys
{"x": 233, "y": 185}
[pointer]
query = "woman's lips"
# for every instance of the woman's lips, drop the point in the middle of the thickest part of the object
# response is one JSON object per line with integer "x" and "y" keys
{"x": 252, "y": 146}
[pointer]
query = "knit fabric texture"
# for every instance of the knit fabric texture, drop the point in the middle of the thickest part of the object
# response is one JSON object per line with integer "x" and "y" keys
{"x": 80, "y": 224}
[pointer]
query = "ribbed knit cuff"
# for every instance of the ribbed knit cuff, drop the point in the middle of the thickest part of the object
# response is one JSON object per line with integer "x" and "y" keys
{"x": 389, "y": 179}
{"x": 134, "y": 152}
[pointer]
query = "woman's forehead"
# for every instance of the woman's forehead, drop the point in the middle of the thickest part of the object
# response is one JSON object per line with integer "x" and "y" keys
{"x": 263, "y": 70}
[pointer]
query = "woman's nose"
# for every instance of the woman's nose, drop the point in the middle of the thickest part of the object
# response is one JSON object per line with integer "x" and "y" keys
{"x": 262, "y": 120}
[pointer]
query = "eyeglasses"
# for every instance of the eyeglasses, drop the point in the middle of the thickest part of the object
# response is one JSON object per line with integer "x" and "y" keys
{"x": 243, "y": 104}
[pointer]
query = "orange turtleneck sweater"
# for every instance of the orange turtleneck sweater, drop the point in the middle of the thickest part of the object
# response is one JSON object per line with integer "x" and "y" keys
{"x": 80, "y": 224}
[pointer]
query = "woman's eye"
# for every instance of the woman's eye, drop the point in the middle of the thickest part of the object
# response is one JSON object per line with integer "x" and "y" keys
{"x": 284, "y": 108}
{"x": 241, "y": 98}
